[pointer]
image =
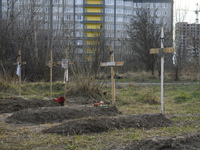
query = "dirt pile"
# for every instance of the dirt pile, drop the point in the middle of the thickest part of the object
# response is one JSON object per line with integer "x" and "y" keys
{"x": 182, "y": 142}
{"x": 58, "y": 114}
{"x": 103, "y": 124}
{"x": 12, "y": 104}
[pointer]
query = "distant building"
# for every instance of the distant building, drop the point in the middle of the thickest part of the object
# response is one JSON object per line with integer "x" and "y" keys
{"x": 187, "y": 41}
{"x": 86, "y": 19}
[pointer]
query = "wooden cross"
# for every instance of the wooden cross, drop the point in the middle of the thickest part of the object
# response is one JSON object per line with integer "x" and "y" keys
{"x": 112, "y": 64}
{"x": 51, "y": 64}
{"x": 65, "y": 64}
{"x": 161, "y": 51}
{"x": 19, "y": 63}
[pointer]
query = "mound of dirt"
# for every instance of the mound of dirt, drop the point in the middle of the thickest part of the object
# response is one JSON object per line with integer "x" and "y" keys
{"x": 183, "y": 142}
{"x": 103, "y": 124}
{"x": 12, "y": 104}
{"x": 58, "y": 114}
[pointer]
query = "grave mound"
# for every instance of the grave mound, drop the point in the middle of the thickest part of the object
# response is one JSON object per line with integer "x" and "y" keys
{"x": 181, "y": 142}
{"x": 104, "y": 124}
{"x": 12, "y": 104}
{"x": 58, "y": 114}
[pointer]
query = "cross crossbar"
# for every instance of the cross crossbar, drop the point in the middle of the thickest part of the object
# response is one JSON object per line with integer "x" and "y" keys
{"x": 165, "y": 50}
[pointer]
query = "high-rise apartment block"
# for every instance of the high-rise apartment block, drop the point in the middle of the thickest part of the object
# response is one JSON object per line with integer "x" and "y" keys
{"x": 187, "y": 41}
{"x": 87, "y": 19}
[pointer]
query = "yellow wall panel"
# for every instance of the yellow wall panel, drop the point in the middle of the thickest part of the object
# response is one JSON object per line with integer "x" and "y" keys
{"x": 92, "y": 34}
{"x": 94, "y": 2}
{"x": 93, "y": 18}
{"x": 93, "y": 26}
{"x": 94, "y": 9}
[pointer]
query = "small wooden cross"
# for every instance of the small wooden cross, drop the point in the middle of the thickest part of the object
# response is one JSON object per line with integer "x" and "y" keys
{"x": 65, "y": 64}
{"x": 51, "y": 64}
{"x": 161, "y": 51}
{"x": 112, "y": 64}
{"x": 19, "y": 63}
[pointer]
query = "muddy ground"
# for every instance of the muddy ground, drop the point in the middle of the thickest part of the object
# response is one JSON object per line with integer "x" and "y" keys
{"x": 81, "y": 117}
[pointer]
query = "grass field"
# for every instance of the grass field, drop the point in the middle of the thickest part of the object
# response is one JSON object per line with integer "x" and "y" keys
{"x": 182, "y": 106}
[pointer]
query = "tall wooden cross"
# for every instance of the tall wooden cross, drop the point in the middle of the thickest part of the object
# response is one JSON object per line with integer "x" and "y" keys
{"x": 112, "y": 63}
{"x": 161, "y": 51}
{"x": 51, "y": 64}
{"x": 19, "y": 63}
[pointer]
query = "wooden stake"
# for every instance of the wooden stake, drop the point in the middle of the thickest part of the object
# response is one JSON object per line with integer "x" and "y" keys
{"x": 112, "y": 63}
{"x": 112, "y": 75}
{"x": 19, "y": 63}
{"x": 50, "y": 64}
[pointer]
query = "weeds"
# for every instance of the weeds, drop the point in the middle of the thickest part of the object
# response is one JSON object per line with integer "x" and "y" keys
{"x": 148, "y": 97}
{"x": 131, "y": 99}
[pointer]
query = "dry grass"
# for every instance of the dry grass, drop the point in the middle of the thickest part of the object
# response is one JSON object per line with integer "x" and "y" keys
{"x": 128, "y": 101}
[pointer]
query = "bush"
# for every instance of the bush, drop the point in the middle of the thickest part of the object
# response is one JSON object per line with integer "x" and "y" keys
{"x": 182, "y": 98}
{"x": 148, "y": 97}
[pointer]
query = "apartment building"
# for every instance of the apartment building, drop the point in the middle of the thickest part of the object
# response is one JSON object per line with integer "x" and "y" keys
{"x": 187, "y": 40}
{"x": 87, "y": 19}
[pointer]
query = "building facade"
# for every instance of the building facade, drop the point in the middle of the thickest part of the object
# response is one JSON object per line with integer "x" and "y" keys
{"x": 187, "y": 41}
{"x": 85, "y": 20}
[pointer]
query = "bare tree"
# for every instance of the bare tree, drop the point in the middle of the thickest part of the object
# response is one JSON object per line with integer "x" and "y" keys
{"x": 144, "y": 34}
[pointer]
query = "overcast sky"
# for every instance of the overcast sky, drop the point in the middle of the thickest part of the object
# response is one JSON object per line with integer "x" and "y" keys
{"x": 189, "y": 5}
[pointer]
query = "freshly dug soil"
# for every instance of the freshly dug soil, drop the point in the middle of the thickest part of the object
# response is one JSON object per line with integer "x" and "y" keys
{"x": 103, "y": 124}
{"x": 58, "y": 114}
{"x": 182, "y": 142}
{"x": 12, "y": 104}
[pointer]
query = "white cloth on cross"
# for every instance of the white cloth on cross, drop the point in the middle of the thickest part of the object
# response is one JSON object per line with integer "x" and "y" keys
{"x": 18, "y": 69}
{"x": 65, "y": 77}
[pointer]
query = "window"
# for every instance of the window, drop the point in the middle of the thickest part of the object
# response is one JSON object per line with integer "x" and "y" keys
{"x": 138, "y": 5}
{"x": 164, "y": 13}
{"x": 157, "y": 20}
{"x": 119, "y": 2}
{"x": 85, "y": 2}
{"x": 79, "y": 10}
{"x": 109, "y": 10}
{"x": 79, "y": 17}
{"x": 118, "y": 26}
{"x": 119, "y": 11}
{"x": 158, "y": 5}
{"x": 165, "y": 5}
{"x": 68, "y": 17}
{"x": 127, "y": 19}
{"x": 119, "y": 19}
{"x": 158, "y": 13}
{"x": 127, "y": 11}
{"x": 85, "y": 26}
{"x": 127, "y": 3}
{"x": 85, "y": 10}
{"x": 85, "y": 18}
{"x": 109, "y": 2}
{"x": 55, "y": 1}
{"x": 79, "y": 1}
